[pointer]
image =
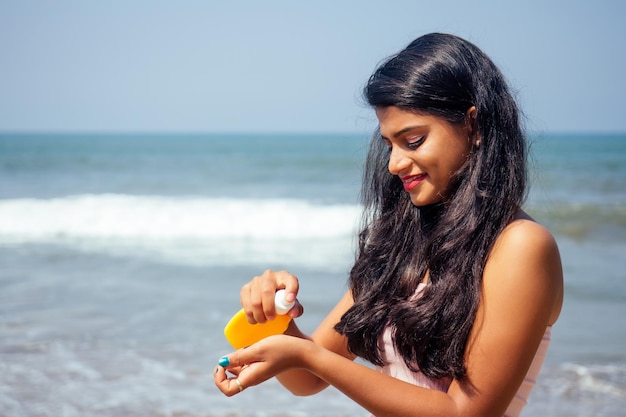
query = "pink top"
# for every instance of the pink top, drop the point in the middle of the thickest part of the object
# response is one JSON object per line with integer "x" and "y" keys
{"x": 396, "y": 368}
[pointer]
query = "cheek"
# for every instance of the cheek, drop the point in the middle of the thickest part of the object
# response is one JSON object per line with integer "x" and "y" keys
{"x": 444, "y": 168}
{"x": 458, "y": 164}
{"x": 458, "y": 155}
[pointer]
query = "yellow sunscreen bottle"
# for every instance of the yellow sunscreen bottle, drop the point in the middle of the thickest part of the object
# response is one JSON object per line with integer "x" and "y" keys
{"x": 240, "y": 333}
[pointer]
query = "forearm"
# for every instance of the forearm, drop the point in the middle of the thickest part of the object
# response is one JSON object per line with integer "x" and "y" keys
{"x": 300, "y": 381}
{"x": 378, "y": 393}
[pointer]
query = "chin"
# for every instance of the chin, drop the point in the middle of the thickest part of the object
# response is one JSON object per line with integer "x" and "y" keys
{"x": 421, "y": 202}
{"x": 417, "y": 203}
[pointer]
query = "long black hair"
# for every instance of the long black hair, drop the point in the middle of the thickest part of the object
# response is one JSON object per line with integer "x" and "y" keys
{"x": 400, "y": 244}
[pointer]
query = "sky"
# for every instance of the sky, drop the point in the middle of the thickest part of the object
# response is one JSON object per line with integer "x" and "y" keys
{"x": 289, "y": 66}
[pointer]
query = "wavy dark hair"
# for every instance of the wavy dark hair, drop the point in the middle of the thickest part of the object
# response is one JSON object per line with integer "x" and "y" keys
{"x": 440, "y": 75}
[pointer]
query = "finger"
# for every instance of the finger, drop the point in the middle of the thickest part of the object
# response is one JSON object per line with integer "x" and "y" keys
{"x": 220, "y": 378}
{"x": 256, "y": 312}
{"x": 231, "y": 361}
{"x": 296, "y": 311}
{"x": 228, "y": 386}
{"x": 257, "y": 297}
{"x": 237, "y": 370}
{"x": 245, "y": 298}
{"x": 239, "y": 384}
{"x": 269, "y": 285}
{"x": 291, "y": 285}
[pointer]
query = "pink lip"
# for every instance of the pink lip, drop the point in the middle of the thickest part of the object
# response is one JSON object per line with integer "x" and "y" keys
{"x": 411, "y": 181}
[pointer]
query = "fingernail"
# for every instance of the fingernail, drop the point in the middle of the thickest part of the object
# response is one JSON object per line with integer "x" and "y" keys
{"x": 224, "y": 362}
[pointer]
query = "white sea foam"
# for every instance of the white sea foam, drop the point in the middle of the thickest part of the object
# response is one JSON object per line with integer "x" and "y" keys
{"x": 196, "y": 230}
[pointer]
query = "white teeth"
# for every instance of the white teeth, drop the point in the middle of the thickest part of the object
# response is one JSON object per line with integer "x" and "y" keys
{"x": 413, "y": 177}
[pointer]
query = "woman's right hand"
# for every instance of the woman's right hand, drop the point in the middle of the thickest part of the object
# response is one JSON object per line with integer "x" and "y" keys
{"x": 257, "y": 296}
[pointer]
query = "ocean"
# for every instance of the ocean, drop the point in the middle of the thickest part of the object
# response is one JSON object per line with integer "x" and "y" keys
{"x": 122, "y": 255}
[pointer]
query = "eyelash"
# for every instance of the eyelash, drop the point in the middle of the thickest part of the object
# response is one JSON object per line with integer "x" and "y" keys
{"x": 416, "y": 143}
{"x": 411, "y": 145}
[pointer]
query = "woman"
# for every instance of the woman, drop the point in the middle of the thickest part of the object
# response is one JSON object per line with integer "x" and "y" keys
{"x": 455, "y": 288}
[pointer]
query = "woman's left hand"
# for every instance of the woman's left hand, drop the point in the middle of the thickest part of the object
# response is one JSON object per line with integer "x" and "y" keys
{"x": 258, "y": 363}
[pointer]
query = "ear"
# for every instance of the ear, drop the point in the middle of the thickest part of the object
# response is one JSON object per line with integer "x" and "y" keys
{"x": 472, "y": 126}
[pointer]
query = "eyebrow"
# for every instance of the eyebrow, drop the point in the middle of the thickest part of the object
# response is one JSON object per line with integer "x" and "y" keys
{"x": 403, "y": 131}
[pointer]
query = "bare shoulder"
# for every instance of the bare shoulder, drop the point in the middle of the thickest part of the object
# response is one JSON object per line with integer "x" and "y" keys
{"x": 526, "y": 242}
{"x": 526, "y": 259}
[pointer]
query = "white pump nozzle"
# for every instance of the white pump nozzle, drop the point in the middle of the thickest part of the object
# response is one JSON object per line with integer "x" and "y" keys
{"x": 281, "y": 305}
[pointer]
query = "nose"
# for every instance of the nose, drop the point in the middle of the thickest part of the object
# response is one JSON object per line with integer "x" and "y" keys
{"x": 398, "y": 161}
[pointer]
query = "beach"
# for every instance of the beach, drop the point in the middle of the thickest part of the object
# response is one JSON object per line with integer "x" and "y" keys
{"x": 122, "y": 255}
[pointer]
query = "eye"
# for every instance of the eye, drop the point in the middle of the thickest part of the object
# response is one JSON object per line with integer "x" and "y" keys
{"x": 413, "y": 142}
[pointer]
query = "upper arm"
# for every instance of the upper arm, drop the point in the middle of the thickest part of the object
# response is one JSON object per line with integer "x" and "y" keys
{"x": 521, "y": 296}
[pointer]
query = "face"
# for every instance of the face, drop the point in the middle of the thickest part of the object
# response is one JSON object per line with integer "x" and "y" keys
{"x": 425, "y": 151}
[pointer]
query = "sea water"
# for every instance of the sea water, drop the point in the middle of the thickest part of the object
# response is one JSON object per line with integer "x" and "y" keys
{"x": 121, "y": 259}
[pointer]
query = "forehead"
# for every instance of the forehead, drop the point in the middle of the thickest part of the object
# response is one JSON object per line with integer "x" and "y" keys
{"x": 393, "y": 120}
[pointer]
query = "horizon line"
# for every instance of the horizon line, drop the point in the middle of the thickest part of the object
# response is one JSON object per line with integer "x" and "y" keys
{"x": 260, "y": 132}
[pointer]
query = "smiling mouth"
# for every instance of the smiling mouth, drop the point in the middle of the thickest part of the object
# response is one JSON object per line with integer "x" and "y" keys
{"x": 411, "y": 181}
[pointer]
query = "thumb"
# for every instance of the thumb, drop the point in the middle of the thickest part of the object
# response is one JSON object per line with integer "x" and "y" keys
{"x": 232, "y": 360}
{"x": 296, "y": 311}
